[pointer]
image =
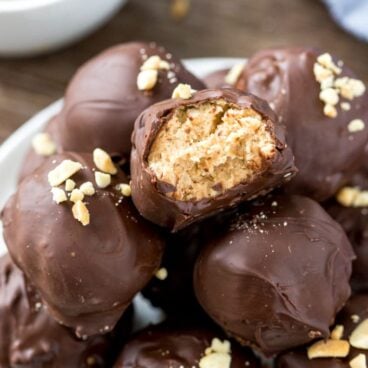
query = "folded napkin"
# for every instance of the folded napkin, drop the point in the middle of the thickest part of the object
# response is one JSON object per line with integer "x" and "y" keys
{"x": 352, "y": 15}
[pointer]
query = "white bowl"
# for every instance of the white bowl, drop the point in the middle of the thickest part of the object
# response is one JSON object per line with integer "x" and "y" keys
{"x": 29, "y": 27}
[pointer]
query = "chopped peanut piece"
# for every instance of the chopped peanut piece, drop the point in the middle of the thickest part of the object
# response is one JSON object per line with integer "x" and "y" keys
{"x": 102, "y": 180}
{"x": 81, "y": 213}
{"x": 162, "y": 274}
{"x": 359, "y": 337}
{"x": 87, "y": 188}
{"x": 329, "y": 349}
{"x": 356, "y": 125}
{"x": 218, "y": 355}
{"x": 43, "y": 144}
{"x": 147, "y": 79}
{"x": 337, "y": 332}
{"x": 234, "y": 73}
{"x": 76, "y": 195}
{"x": 58, "y": 195}
{"x": 355, "y": 318}
{"x": 155, "y": 63}
{"x": 183, "y": 91}
{"x": 126, "y": 190}
{"x": 352, "y": 197}
{"x": 359, "y": 361}
{"x": 63, "y": 171}
{"x": 104, "y": 162}
{"x": 70, "y": 185}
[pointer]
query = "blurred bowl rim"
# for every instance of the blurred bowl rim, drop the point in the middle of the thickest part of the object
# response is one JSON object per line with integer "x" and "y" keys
{"x": 24, "y": 5}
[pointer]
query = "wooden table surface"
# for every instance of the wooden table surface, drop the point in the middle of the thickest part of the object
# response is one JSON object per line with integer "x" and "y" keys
{"x": 212, "y": 28}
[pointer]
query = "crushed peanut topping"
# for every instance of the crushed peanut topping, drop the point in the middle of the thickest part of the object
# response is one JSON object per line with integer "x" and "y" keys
{"x": 360, "y": 361}
{"x": 356, "y": 125}
{"x": 147, "y": 79}
{"x": 81, "y": 213}
{"x": 103, "y": 161}
{"x": 162, "y": 274}
{"x": 43, "y": 144}
{"x": 234, "y": 73}
{"x": 102, "y": 180}
{"x": 329, "y": 349}
{"x": 359, "y": 337}
{"x": 70, "y": 185}
{"x": 63, "y": 171}
{"x": 87, "y": 188}
{"x": 155, "y": 63}
{"x": 337, "y": 332}
{"x": 58, "y": 195}
{"x": 332, "y": 88}
{"x": 125, "y": 190}
{"x": 183, "y": 91}
{"x": 218, "y": 355}
{"x": 355, "y": 318}
{"x": 352, "y": 197}
{"x": 76, "y": 195}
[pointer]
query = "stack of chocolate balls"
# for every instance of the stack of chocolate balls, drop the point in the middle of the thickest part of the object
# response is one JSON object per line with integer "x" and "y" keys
{"x": 237, "y": 204}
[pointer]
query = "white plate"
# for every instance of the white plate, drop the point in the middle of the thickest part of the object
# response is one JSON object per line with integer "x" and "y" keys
{"x": 14, "y": 149}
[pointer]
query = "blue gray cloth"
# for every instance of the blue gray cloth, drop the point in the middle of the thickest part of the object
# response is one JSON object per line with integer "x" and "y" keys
{"x": 352, "y": 15}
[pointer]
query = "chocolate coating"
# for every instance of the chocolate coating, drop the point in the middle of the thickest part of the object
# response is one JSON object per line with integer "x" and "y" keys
{"x": 168, "y": 346}
{"x": 216, "y": 79}
{"x": 354, "y": 221}
{"x": 278, "y": 274}
{"x": 31, "y": 338}
{"x": 102, "y": 100}
{"x": 148, "y": 192}
{"x": 357, "y": 305}
{"x": 326, "y": 153}
{"x": 86, "y": 275}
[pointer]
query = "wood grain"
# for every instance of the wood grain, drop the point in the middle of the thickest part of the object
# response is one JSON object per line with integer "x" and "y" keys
{"x": 212, "y": 28}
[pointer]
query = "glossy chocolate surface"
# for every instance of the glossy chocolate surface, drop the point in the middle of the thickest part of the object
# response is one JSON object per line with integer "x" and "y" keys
{"x": 277, "y": 275}
{"x": 326, "y": 153}
{"x": 172, "y": 346}
{"x": 148, "y": 192}
{"x": 86, "y": 275}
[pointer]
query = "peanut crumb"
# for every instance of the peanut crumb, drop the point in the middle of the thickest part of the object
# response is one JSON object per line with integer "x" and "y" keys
{"x": 359, "y": 337}
{"x": 355, "y": 318}
{"x": 337, "y": 332}
{"x": 58, "y": 195}
{"x": 81, "y": 213}
{"x": 76, "y": 195}
{"x": 43, "y": 144}
{"x": 102, "y": 180}
{"x": 125, "y": 190}
{"x": 218, "y": 355}
{"x": 345, "y": 106}
{"x": 103, "y": 161}
{"x": 162, "y": 274}
{"x": 329, "y": 349}
{"x": 70, "y": 185}
{"x": 330, "y": 111}
{"x": 356, "y": 125}
{"x": 234, "y": 73}
{"x": 63, "y": 171}
{"x": 183, "y": 91}
{"x": 360, "y": 361}
{"x": 352, "y": 197}
{"x": 155, "y": 63}
{"x": 87, "y": 188}
{"x": 147, "y": 79}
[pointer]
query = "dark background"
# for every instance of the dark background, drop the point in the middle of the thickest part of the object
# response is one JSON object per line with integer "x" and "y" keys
{"x": 212, "y": 28}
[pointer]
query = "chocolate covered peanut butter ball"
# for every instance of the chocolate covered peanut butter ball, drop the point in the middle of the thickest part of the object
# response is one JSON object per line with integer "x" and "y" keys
{"x": 325, "y": 110}
{"x": 30, "y": 337}
{"x": 346, "y": 347}
{"x": 72, "y": 229}
{"x": 198, "y": 154}
{"x": 277, "y": 275}
{"x": 170, "y": 346}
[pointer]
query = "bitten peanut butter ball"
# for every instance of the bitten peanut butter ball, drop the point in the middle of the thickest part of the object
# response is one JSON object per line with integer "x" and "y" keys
{"x": 198, "y": 154}
{"x": 345, "y": 348}
{"x": 72, "y": 229}
{"x": 325, "y": 110}
{"x": 350, "y": 209}
{"x": 30, "y": 337}
{"x": 278, "y": 274}
{"x": 173, "y": 346}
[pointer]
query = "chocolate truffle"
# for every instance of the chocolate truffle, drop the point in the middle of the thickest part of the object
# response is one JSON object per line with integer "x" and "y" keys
{"x": 103, "y": 99}
{"x": 195, "y": 157}
{"x": 277, "y": 275}
{"x": 352, "y": 318}
{"x": 350, "y": 210}
{"x": 324, "y": 108}
{"x": 31, "y": 338}
{"x": 86, "y": 249}
{"x": 177, "y": 347}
